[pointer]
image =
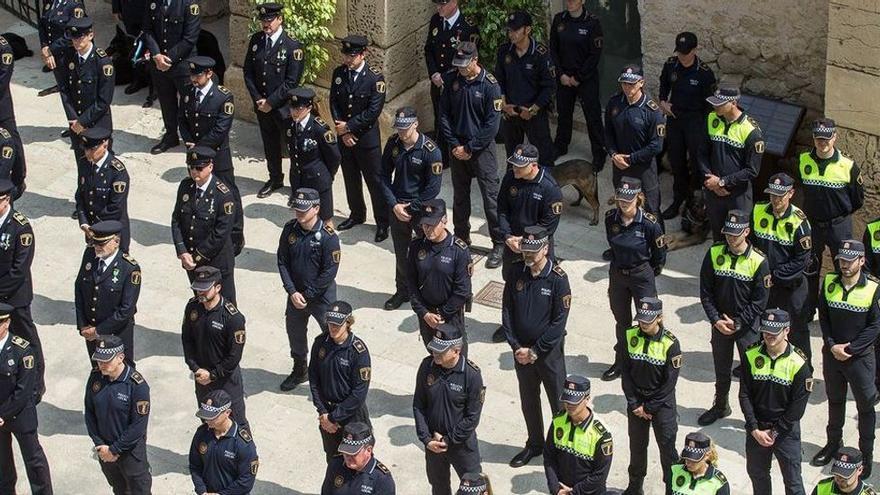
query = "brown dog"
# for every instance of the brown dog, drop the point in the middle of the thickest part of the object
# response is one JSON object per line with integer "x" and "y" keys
{"x": 694, "y": 226}
{"x": 579, "y": 173}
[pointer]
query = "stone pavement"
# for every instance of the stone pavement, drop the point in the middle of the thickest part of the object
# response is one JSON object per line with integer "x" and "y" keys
{"x": 284, "y": 424}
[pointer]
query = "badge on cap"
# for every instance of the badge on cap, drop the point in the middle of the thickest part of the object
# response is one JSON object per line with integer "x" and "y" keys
{"x": 771, "y": 317}
{"x": 682, "y": 39}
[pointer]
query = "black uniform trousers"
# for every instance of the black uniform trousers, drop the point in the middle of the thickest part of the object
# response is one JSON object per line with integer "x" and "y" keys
{"x": 722, "y": 357}
{"x": 787, "y": 449}
{"x": 228, "y": 178}
{"x": 401, "y": 236}
{"x": 127, "y": 336}
{"x": 717, "y": 208}
{"x": 360, "y": 162}
{"x": 625, "y": 288}
{"x": 464, "y": 458}
{"x": 793, "y": 299}
{"x": 856, "y": 372}
{"x": 484, "y": 168}
{"x": 588, "y": 93}
{"x": 331, "y": 441}
{"x": 684, "y": 135}
{"x": 665, "y": 426}
{"x": 547, "y": 370}
{"x": 233, "y": 386}
{"x": 297, "y": 323}
{"x": 537, "y": 129}
{"x": 438, "y": 136}
{"x": 831, "y": 234}
{"x": 130, "y": 474}
{"x": 22, "y": 324}
{"x": 35, "y": 463}
{"x": 227, "y": 289}
{"x": 169, "y": 85}
{"x": 272, "y": 130}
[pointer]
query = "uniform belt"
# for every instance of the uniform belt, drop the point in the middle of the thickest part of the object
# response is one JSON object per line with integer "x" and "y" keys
{"x": 628, "y": 271}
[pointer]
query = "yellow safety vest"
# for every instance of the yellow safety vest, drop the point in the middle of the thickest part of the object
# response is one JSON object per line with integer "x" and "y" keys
{"x": 581, "y": 442}
{"x": 837, "y": 174}
{"x": 681, "y": 482}
{"x": 785, "y": 228}
{"x": 858, "y": 300}
{"x": 744, "y": 269}
{"x": 736, "y": 135}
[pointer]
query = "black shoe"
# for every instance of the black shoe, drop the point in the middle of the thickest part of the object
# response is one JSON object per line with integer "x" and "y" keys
{"x": 348, "y": 223}
{"x": 524, "y": 456}
{"x": 716, "y": 412}
{"x": 737, "y": 372}
{"x": 268, "y": 188}
{"x": 381, "y": 234}
{"x": 74, "y": 215}
{"x": 495, "y": 257}
{"x": 611, "y": 373}
{"x": 867, "y": 463}
{"x": 134, "y": 87}
{"x": 290, "y": 202}
{"x": 498, "y": 336}
{"x": 606, "y": 255}
{"x": 163, "y": 146}
{"x": 825, "y": 455}
{"x": 237, "y": 243}
{"x": 466, "y": 239}
{"x": 673, "y": 210}
{"x": 46, "y": 69}
{"x": 395, "y": 301}
{"x": 65, "y": 133}
{"x": 148, "y": 102}
{"x": 295, "y": 378}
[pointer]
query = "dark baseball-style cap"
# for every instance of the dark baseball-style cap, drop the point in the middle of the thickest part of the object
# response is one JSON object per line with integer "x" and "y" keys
{"x": 216, "y": 401}
{"x": 206, "y": 277}
{"x": 575, "y": 389}
{"x": 649, "y": 309}
{"x": 631, "y": 74}
{"x": 533, "y": 239}
{"x": 774, "y": 321}
{"x": 685, "y": 42}
{"x": 338, "y": 312}
{"x": 5, "y": 311}
{"x": 405, "y": 117}
{"x": 107, "y": 347}
{"x": 519, "y": 19}
{"x": 525, "y": 155}
{"x": 724, "y": 95}
{"x": 269, "y": 11}
{"x": 433, "y": 211}
{"x": 846, "y": 462}
{"x": 736, "y": 223}
{"x": 105, "y": 230}
{"x": 200, "y": 156}
{"x": 301, "y": 97}
{"x": 354, "y": 44}
{"x": 467, "y": 51}
{"x": 6, "y": 187}
{"x": 630, "y": 187}
{"x": 696, "y": 446}
{"x": 200, "y": 64}
{"x": 355, "y": 437}
{"x": 779, "y": 184}
{"x": 850, "y": 250}
{"x": 305, "y": 198}
{"x": 445, "y": 336}
{"x": 93, "y": 136}
{"x": 79, "y": 26}
{"x": 824, "y": 128}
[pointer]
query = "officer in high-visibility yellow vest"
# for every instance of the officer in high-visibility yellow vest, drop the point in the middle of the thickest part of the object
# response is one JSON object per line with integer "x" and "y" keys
{"x": 782, "y": 232}
{"x": 871, "y": 240}
{"x": 850, "y": 320}
{"x": 847, "y": 471}
{"x": 773, "y": 392}
{"x": 578, "y": 449}
{"x": 734, "y": 282}
{"x": 698, "y": 473}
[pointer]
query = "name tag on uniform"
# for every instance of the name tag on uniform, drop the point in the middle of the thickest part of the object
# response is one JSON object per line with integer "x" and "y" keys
{"x": 640, "y": 234}
{"x": 546, "y": 292}
{"x": 229, "y": 455}
{"x": 366, "y": 489}
{"x": 537, "y": 196}
{"x": 583, "y": 32}
{"x": 529, "y": 66}
{"x": 343, "y": 361}
{"x": 478, "y": 94}
{"x": 216, "y": 324}
{"x": 416, "y": 161}
{"x": 121, "y": 397}
{"x": 455, "y": 387}
{"x": 445, "y": 259}
{"x": 694, "y": 82}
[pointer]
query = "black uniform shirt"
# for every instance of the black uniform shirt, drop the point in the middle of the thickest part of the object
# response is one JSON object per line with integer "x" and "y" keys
{"x": 470, "y": 111}
{"x": 172, "y": 30}
{"x": 840, "y": 325}
{"x": 641, "y": 241}
{"x": 18, "y": 377}
{"x": 822, "y": 203}
{"x": 636, "y": 130}
{"x": 107, "y": 301}
{"x": 117, "y": 411}
{"x": 358, "y": 103}
{"x": 411, "y": 175}
{"x": 86, "y": 87}
{"x": 740, "y": 299}
{"x": 787, "y": 262}
{"x": 226, "y": 465}
{"x": 535, "y": 309}
{"x": 442, "y": 43}
{"x": 651, "y": 383}
{"x": 375, "y": 479}
{"x": 686, "y": 88}
{"x": 213, "y": 339}
{"x": 339, "y": 376}
{"x": 308, "y": 260}
{"x": 270, "y": 72}
{"x": 313, "y": 150}
{"x": 202, "y": 223}
{"x": 16, "y": 258}
{"x": 207, "y": 123}
{"x": 522, "y": 203}
{"x": 439, "y": 276}
{"x": 527, "y": 80}
{"x": 448, "y": 401}
{"x": 7, "y": 65}
{"x": 585, "y": 476}
{"x": 768, "y": 403}
{"x": 102, "y": 193}
{"x": 576, "y": 45}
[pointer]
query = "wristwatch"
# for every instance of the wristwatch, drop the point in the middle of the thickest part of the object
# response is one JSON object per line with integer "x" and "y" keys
{"x": 721, "y": 182}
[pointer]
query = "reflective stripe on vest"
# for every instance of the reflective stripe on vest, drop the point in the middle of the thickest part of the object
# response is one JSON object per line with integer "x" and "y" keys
{"x": 785, "y": 228}
{"x": 736, "y": 134}
{"x": 582, "y": 443}
{"x": 837, "y": 174}
{"x": 681, "y": 483}
{"x": 874, "y": 236}
{"x": 745, "y": 268}
{"x": 857, "y": 301}
{"x": 783, "y": 370}
{"x": 655, "y": 353}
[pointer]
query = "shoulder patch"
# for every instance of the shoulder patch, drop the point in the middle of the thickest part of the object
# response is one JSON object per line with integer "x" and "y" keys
{"x": 222, "y": 187}
{"x": 559, "y": 271}
{"x": 20, "y": 342}
{"x": 382, "y": 468}
{"x": 127, "y": 257}
{"x": 375, "y": 70}
{"x": 118, "y": 165}
{"x": 653, "y": 105}
{"x": 231, "y": 308}
{"x": 223, "y": 89}
{"x": 330, "y": 230}
{"x": 460, "y": 243}
{"x": 194, "y": 9}
{"x": 491, "y": 78}
{"x": 137, "y": 377}
{"x": 359, "y": 345}
{"x": 20, "y": 218}
{"x": 649, "y": 216}
{"x": 473, "y": 365}
{"x": 540, "y": 48}
{"x": 429, "y": 145}
{"x": 245, "y": 435}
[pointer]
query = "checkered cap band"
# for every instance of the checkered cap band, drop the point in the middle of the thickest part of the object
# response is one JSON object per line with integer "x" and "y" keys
{"x": 214, "y": 409}
{"x": 307, "y": 202}
{"x": 336, "y": 315}
{"x": 648, "y": 312}
{"x": 779, "y": 187}
{"x": 407, "y": 121}
{"x": 473, "y": 488}
{"x": 847, "y": 465}
{"x": 774, "y": 324}
{"x": 575, "y": 393}
{"x": 731, "y": 225}
{"x": 850, "y": 253}
{"x": 109, "y": 351}
{"x": 696, "y": 451}
{"x": 534, "y": 242}
{"x": 446, "y": 343}
{"x": 824, "y": 131}
{"x": 724, "y": 97}
{"x": 628, "y": 191}
{"x": 630, "y": 77}
{"x": 357, "y": 443}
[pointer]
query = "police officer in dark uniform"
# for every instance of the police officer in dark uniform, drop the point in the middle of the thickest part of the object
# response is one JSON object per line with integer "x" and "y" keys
{"x": 526, "y": 74}
{"x": 534, "y": 312}
{"x": 411, "y": 175}
{"x": 850, "y": 319}
{"x": 8, "y": 128}
{"x": 102, "y": 192}
{"x": 698, "y": 473}
{"x": 357, "y": 96}
{"x": 650, "y": 373}
{"x": 781, "y": 231}
{"x": 774, "y": 388}
{"x": 308, "y": 259}
{"x": 446, "y": 29}
{"x": 170, "y": 32}
{"x": 272, "y": 67}
{"x": 685, "y": 83}
{"x": 469, "y": 124}
{"x": 222, "y": 456}
{"x": 314, "y": 155}
{"x": 339, "y": 377}
{"x": 107, "y": 289}
{"x": 439, "y": 273}
{"x": 734, "y": 286}
{"x": 638, "y": 249}
{"x": 356, "y": 471}
{"x": 205, "y": 120}
{"x": 117, "y": 410}
{"x": 847, "y": 475}
{"x": 11, "y": 166}
{"x": 447, "y": 404}
{"x": 213, "y": 335}
{"x": 576, "y": 41}
{"x": 52, "y": 26}
{"x": 19, "y": 377}
{"x": 202, "y": 221}
{"x": 871, "y": 240}
{"x": 578, "y": 448}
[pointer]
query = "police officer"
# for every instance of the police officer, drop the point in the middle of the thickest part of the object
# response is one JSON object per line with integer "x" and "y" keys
{"x": 650, "y": 372}
{"x": 205, "y": 119}
{"x": 411, "y": 175}
{"x": 314, "y": 154}
{"x": 213, "y": 335}
{"x": 634, "y": 132}
{"x": 871, "y": 240}
{"x": 11, "y": 164}
{"x": 638, "y": 249}
{"x": 534, "y": 313}
{"x": 202, "y": 221}
{"x": 272, "y": 67}
{"x": 16, "y": 166}
{"x": 734, "y": 285}
{"x": 685, "y": 83}
{"x": 19, "y": 377}
{"x": 102, "y": 192}
{"x": 775, "y": 386}
{"x": 729, "y": 159}
{"x": 16, "y": 284}
{"x": 526, "y": 74}
{"x": 698, "y": 473}
{"x": 469, "y": 125}
{"x": 222, "y": 457}
{"x": 107, "y": 289}
{"x": 446, "y": 29}
{"x": 51, "y": 28}
{"x": 576, "y": 41}
{"x": 847, "y": 475}
{"x": 474, "y": 484}
{"x": 357, "y": 96}
{"x": 170, "y": 32}
{"x": 439, "y": 272}
{"x": 781, "y": 231}
{"x": 356, "y": 470}
{"x": 447, "y": 404}
{"x": 117, "y": 410}
{"x": 339, "y": 377}
{"x": 578, "y": 448}
{"x": 850, "y": 319}
{"x": 131, "y": 14}
{"x": 833, "y": 191}
{"x": 308, "y": 259}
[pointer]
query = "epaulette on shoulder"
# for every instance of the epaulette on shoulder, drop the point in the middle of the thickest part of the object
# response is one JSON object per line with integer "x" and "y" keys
{"x": 720, "y": 476}
{"x": 460, "y": 243}
{"x": 801, "y": 353}
{"x": 245, "y": 435}
{"x": 671, "y": 60}
{"x": 469, "y": 20}
{"x": 222, "y": 187}
{"x": 649, "y": 216}
{"x": 382, "y": 468}
{"x": 20, "y": 342}
{"x": 118, "y": 165}
{"x": 20, "y": 218}
{"x": 359, "y": 345}
{"x": 599, "y": 427}
{"x": 653, "y": 105}
{"x": 869, "y": 490}
{"x": 127, "y": 257}
{"x": 755, "y": 344}
{"x": 610, "y": 212}
{"x": 754, "y": 122}
{"x": 321, "y": 122}
{"x": 231, "y": 308}
{"x": 668, "y": 333}
{"x": 704, "y": 66}
{"x": 719, "y": 243}
{"x": 329, "y": 229}
{"x": 101, "y": 53}
{"x": 540, "y": 48}
{"x": 473, "y": 365}
{"x": 137, "y": 377}
{"x": 5, "y": 133}
{"x": 375, "y": 70}
{"x": 491, "y": 78}
{"x": 223, "y": 89}
{"x": 800, "y": 213}
{"x": 429, "y": 145}
{"x": 194, "y": 299}
{"x": 3, "y": 41}
{"x": 755, "y": 249}
{"x": 872, "y": 278}
{"x": 559, "y": 271}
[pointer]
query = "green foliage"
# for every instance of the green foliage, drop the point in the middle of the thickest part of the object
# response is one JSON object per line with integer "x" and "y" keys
{"x": 490, "y": 16}
{"x": 308, "y": 21}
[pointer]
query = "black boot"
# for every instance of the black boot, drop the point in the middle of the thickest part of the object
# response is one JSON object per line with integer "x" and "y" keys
{"x": 297, "y": 376}
{"x": 611, "y": 373}
{"x": 825, "y": 454}
{"x": 499, "y": 336}
{"x": 673, "y": 210}
{"x": 867, "y": 463}
{"x": 635, "y": 486}
{"x": 720, "y": 409}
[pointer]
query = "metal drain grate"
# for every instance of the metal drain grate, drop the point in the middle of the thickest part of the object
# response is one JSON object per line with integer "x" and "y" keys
{"x": 491, "y": 295}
